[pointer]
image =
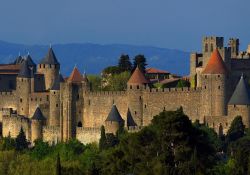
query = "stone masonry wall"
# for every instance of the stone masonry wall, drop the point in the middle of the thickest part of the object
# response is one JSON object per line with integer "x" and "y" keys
{"x": 51, "y": 134}
{"x": 88, "y": 135}
{"x": 97, "y": 106}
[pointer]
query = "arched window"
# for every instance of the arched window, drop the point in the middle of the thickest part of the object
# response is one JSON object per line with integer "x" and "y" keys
{"x": 79, "y": 124}
{"x": 206, "y": 48}
{"x": 212, "y": 48}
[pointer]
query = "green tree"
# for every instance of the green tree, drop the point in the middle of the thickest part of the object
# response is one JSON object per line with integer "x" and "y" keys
{"x": 236, "y": 130}
{"x": 182, "y": 83}
{"x": 7, "y": 143}
{"x": 21, "y": 141}
{"x": 124, "y": 63}
{"x": 111, "y": 70}
{"x": 40, "y": 150}
{"x": 141, "y": 62}
{"x": 103, "y": 139}
{"x": 117, "y": 82}
{"x": 95, "y": 82}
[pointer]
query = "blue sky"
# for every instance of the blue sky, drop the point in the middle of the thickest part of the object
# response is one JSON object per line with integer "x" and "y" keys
{"x": 178, "y": 24}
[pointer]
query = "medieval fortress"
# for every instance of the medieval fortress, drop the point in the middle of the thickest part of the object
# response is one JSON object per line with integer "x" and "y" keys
{"x": 54, "y": 108}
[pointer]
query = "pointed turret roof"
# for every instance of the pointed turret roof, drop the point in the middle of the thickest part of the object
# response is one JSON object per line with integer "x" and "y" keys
{"x": 61, "y": 78}
{"x": 130, "y": 120}
{"x": 215, "y": 64}
{"x": 38, "y": 115}
{"x": 25, "y": 70}
{"x": 138, "y": 77}
{"x": 30, "y": 61}
{"x": 50, "y": 58}
{"x": 241, "y": 95}
{"x": 75, "y": 76}
{"x": 114, "y": 115}
{"x": 18, "y": 60}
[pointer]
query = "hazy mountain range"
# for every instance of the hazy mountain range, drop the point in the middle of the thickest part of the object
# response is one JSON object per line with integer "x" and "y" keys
{"x": 94, "y": 57}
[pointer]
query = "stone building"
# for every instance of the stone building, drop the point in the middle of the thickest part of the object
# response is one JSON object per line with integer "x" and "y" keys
{"x": 47, "y": 106}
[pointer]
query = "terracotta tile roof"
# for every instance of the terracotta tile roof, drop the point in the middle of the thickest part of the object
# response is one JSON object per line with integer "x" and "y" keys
{"x": 14, "y": 67}
{"x": 215, "y": 64}
{"x": 75, "y": 76}
{"x": 170, "y": 80}
{"x": 138, "y": 77}
{"x": 155, "y": 71}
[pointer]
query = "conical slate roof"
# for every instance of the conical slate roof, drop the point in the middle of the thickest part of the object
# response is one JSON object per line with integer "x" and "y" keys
{"x": 30, "y": 61}
{"x": 18, "y": 60}
{"x": 130, "y": 120}
{"x": 215, "y": 64}
{"x": 114, "y": 115}
{"x": 25, "y": 70}
{"x": 241, "y": 95}
{"x": 38, "y": 115}
{"x": 61, "y": 78}
{"x": 138, "y": 77}
{"x": 50, "y": 58}
{"x": 75, "y": 76}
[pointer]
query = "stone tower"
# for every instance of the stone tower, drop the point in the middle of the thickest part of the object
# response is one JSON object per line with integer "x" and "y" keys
{"x": 234, "y": 45}
{"x": 50, "y": 67}
{"x": 239, "y": 103}
{"x": 54, "y": 115}
{"x": 135, "y": 87}
{"x": 23, "y": 89}
{"x": 37, "y": 122}
{"x": 214, "y": 84}
{"x": 114, "y": 121}
{"x": 71, "y": 104}
{"x": 209, "y": 44}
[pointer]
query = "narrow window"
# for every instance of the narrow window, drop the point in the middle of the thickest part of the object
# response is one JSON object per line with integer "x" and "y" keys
{"x": 218, "y": 87}
{"x": 135, "y": 112}
{"x": 206, "y": 48}
{"x": 56, "y": 105}
{"x": 21, "y": 100}
{"x": 212, "y": 48}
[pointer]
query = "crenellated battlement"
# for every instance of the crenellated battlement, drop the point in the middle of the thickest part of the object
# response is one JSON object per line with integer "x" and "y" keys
{"x": 107, "y": 93}
{"x": 173, "y": 90}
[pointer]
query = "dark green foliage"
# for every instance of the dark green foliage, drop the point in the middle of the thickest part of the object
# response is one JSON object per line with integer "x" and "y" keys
{"x": 141, "y": 62}
{"x": 124, "y": 63}
{"x": 111, "y": 141}
{"x": 21, "y": 141}
{"x": 95, "y": 82}
{"x": 117, "y": 82}
{"x": 111, "y": 70}
{"x": 58, "y": 165}
{"x": 183, "y": 83}
{"x": 7, "y": 143}
{"x": 40, "y": 150}
{"x": 170, "y": 145}
{"x": 236, "y": 130}
{"x": 103, "y": 140}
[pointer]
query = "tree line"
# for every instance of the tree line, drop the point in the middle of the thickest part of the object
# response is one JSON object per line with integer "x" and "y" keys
{"x": 170, "y": 145}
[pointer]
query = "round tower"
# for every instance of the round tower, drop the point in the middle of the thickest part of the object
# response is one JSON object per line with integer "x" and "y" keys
{"x": 50, "y": 67}
{"x": 37, "y": 122}
{"x": 214, "y": 86}
{"x": 114, "y": 121}
{"x": 54, "y": 115}
{"x": 135, "y": 87}
{"x": 239, "y": 103}
{"x": 23, "y": 89}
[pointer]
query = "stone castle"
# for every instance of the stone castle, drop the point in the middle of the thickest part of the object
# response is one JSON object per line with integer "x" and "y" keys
{"x": 47, "y": 106}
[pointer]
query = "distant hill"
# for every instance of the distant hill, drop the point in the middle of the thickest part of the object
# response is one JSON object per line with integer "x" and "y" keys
{"x": 94, "y": 57}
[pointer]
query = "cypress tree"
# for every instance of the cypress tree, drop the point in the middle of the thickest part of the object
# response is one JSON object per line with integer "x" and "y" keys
{"x": 103, "y": 139}
{"x": 21, "y": 141}
{"x": 124, "y": 63}
{"x": 58, "y": 165}
{"x": 140, "y": 61}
